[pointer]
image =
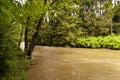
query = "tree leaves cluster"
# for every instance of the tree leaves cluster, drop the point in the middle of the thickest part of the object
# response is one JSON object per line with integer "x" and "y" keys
{"x": 10, "y": 67}
{"x": 60, "y": 23}
{"x": 72, "y": 19}
{"x": 78, "y": 18}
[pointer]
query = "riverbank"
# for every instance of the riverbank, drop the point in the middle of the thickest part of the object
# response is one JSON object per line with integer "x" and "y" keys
{"x": 50, "y": 63}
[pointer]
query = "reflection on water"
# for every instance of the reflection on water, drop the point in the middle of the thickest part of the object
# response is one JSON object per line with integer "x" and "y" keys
{"x": 74, "y": 64}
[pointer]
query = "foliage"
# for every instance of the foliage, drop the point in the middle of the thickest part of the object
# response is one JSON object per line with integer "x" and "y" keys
{"x": 72, "y": 19}
{"x": 110, "y": 42}
{"x": 9, "y": 51}
{"x": 60, "y": 23}
{"x": 116, "y": 28}
{"x": 13, "y": 61}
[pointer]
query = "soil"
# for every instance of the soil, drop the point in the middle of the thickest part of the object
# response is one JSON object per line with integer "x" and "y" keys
{"x": 51, "y": 63}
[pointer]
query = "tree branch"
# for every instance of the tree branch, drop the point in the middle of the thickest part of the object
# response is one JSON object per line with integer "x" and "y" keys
{"x": 53, "y": 2}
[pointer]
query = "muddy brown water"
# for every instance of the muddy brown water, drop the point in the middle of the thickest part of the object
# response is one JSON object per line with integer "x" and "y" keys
{"x": 50, "y": 63}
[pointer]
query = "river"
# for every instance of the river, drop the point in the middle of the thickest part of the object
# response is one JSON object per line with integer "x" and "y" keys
{"x": 50, "y": 63}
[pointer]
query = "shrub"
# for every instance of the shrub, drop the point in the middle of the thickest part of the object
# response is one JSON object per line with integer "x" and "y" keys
{"x": 12, "y": 61}
{"x": 110, "y": 42}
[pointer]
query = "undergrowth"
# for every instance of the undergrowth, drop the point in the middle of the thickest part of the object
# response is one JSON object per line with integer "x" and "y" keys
{"x": 109, "y": 42}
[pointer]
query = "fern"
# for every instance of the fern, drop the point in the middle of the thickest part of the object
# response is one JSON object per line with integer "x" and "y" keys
{"x": 110, "y": 42}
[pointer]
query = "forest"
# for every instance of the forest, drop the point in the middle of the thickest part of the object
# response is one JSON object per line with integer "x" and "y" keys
{"x": 58, "y": 23}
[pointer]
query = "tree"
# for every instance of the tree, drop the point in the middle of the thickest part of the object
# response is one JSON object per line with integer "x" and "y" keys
{"x": 116, "y": 19}
{"x": 59, "y": 22}
{"x": 9, "y": 51}
{"x": 109, "y": 14}
{"x": 34, "y": 12}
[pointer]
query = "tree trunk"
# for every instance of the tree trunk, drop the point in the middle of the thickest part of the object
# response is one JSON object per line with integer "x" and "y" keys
{"x": 26, "y": 35}
{"x": 111, "y": 27}
{"x": 35, "y": 37}
{"x": 26, "y": 39}
{"x": 21, "y": 35}
{"x": 100, "y": 8}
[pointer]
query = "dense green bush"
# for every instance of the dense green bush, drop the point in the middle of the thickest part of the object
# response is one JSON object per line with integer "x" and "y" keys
{"x": 12, "y": 58}
{"x": 110, "y": 42}
{"x": 12, "y": 61}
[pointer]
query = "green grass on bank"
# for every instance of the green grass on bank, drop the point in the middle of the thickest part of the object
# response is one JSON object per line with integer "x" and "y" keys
{"x": 110, "y": 42}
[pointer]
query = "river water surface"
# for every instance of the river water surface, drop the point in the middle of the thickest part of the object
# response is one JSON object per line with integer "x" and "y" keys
{"x": 50, "y": 63}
